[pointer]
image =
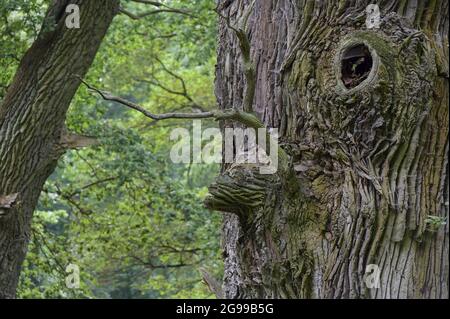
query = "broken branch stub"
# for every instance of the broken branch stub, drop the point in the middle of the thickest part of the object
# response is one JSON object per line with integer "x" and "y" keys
{"x": 7, "y": 202}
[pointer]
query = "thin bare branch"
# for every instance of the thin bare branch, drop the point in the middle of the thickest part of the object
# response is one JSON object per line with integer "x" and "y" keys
{"x": 95, "y": 183}
{"x": 162, "y": 8}
{"x": 109, "y": 97}
{"x": 153, "y": 3}
{"x": 183, "y": 93}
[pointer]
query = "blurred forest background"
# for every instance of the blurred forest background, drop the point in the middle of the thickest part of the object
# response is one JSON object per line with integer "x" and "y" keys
{"x": 131, "y": 220}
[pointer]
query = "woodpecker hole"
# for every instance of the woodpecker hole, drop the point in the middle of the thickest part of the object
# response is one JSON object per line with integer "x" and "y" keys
{"x": 356, "y": 65}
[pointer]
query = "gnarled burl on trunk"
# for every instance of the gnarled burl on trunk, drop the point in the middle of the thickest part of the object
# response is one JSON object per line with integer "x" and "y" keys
{"x": 363, "y": 120}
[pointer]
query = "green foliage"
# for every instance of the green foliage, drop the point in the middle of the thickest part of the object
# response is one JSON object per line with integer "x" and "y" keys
{"x": 19, "y": 24}
{"x": 435, "y": 222}
{"x": 131, "y": 220}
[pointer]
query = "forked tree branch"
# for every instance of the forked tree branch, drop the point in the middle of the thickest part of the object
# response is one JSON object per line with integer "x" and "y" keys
{"x": 157, "y": 117}
{"x": 152, "y": 80}
{"x": 248, "y": 119}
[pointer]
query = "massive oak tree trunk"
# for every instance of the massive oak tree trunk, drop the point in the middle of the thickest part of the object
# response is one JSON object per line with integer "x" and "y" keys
{"x": 32, "y": 121}
{"x": 363, "y": 117}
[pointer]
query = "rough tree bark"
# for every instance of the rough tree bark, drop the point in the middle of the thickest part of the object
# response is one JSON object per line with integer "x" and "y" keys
{"x": 32, "y": 134}
{"x": 368, "y": 156}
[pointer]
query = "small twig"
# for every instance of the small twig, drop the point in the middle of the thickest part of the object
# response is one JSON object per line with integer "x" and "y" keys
{"x": 148, "y": 13}
{"x": 153, "y": 3}
{"x": 95, "y": 183}
{"x": 162, "y": 8}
